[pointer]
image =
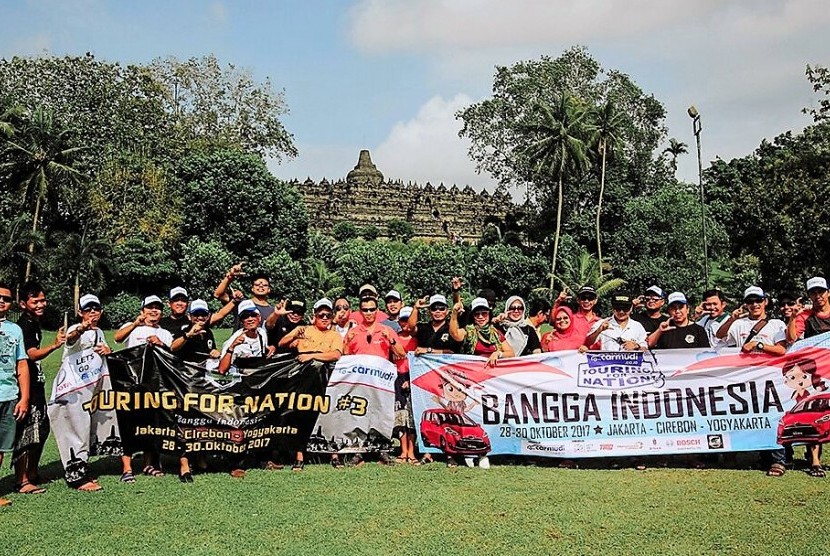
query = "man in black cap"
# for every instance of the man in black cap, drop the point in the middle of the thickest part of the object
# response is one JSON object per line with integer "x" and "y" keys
{"x": 619, "y": 332}
{"x": 651, "y": 318}
{"x": 585, "y": 316}
{"x": 284, "y": 322}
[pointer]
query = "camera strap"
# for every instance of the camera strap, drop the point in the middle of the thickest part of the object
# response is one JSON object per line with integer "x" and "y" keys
{"x": 755, "y": 329}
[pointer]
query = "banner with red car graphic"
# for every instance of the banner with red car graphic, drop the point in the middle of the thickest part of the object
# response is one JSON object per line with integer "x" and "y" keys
{"x": 571, "y": 404}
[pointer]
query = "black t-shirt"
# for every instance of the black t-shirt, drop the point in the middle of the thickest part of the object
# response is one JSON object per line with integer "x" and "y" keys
{"x": 533, "y": 341}
{"x": 198, "y": 348}
{"x": 691, "y": 336}
{"x": 814, "y": 326}
{"x": 428, "y": 337}
{"x": 649, "y": 323}
{"x": 31, "y": 339}
{"x": 173, "y": 324}
{"x": 281, "y": 329}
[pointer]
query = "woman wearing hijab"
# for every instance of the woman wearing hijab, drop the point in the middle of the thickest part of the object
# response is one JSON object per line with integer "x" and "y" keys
{"x": 520, "y": 334}
{"x": 564, "y": 335}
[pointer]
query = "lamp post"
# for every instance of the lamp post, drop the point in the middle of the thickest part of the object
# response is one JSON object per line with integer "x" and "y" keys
{"x": 696, "y": 127}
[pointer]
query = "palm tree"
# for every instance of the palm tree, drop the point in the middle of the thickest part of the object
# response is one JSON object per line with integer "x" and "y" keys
{"x": 559, "y": 149}
{"x": 40, "y": 157}
{"x": 675, "y": 149}
{"x": 584, "y": 270}
{"x": 90, "y": 255}
{"x": 324, "y": 282}
{"x": 606, "y": 138}
{"x": 7, "y": 117}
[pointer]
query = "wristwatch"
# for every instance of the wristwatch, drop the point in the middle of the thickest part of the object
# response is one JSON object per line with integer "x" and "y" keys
{"x": 759, "y": 346}
{"x": 429, "y": 350}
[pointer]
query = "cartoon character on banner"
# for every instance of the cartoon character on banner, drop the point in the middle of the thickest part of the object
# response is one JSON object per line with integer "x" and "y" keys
{"x": 801, "y": 375}
{"x": 808, "y": 422}
{"x": 456, "y": 389}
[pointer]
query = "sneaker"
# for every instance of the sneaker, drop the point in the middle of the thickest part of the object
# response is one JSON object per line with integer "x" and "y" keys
{"x": 469, "y": 462}
{"x": 385, "y": 459}
{"x": 238, "y": 473}
{"x": 484, "y": 462}
{"x": 356, "y": 460}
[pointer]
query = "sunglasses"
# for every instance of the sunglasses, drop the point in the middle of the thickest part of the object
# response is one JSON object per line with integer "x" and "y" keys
{"x": 298, "y": 313}
{"x": 199, "y": 314}
{"x": 368, "y": 309}
{"x": 516, "y": 308}
{"x": 789, "y": 304}
{"x": 96, "y": 308}
{"x": 368, "y": 338}
{"x": 753, "y": 301}
{"x": 587, "y": 297}
{"x": 324, "y": 316}
{"x": 341, "y": 307}
{"x": 248, "y": 315}
{"x": 438, "y": 308}
{"x": 480, "y": 313}
{"x": 621, "y": 307}
{"x": 562, "y": 319}
{"x": 652, "y": 298}
{"x": 261, "y": 284}
{"x": 6, "y": 299}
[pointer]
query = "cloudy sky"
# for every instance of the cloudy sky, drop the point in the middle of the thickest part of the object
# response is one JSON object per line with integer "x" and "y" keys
{"x": 389, "y": 75}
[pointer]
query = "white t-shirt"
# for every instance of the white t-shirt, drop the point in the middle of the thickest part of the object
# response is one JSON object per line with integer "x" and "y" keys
{"x": 140, "y": 334}
{"x": 250, "y": 347}
{"x": 711, "y": 326}
{"x": 89, "y": 339}
{"x": 615, "y": 336}
{"x": 774, "y": 331}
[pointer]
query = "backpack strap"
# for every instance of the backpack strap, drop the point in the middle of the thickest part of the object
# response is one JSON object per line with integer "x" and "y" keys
{"x": 755, "y": 329}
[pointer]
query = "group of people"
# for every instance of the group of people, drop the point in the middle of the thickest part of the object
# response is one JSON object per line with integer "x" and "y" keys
{"x": 336, "y": 328}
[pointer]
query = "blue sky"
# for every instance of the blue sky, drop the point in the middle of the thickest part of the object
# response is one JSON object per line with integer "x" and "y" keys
{"x": 389, "y": 75}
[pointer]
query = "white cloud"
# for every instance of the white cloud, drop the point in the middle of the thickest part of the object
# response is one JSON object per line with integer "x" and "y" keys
{"x": 218, "y": 12}
{"x": 426, "y": 148}
{"x": 742, "y": 62}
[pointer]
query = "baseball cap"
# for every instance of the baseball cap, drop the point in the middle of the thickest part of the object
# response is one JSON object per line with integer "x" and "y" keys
{"x": 656, "y": 291}
{"x": 586, "y": 290}
{"x": 245, "y": 306}
{"x": 480, "y": 302}
{"x": 815, "y": 283}
{"x": 324, "y": 302}
{"x": 296, "y": 306}
{"x": 437, "y": 299}
{"x": 621, "y": 300}
{"x": 393, "y": 294}
{"x": 367, "y": 288}
{"x": 198, "y": 305}
{"x": 754, "y": 291}
{"x": 150, "y": 299}
{"x": 677, "y": 297}
{"x": 88, "y": 300}
{"x": 405, "y": 312}
{"x": 178, "y": 292}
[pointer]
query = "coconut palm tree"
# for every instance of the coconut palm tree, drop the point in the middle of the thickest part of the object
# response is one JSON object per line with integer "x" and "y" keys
{"x": 324, "y": 282}
{"x": 675, "y": 149}
{"x": 559, "y": 149}
{"x": 39, "y": 157}
{"x": 606, "y": 139}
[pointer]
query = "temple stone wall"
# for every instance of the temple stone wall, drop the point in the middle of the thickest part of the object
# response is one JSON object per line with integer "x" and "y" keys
{"x": 365, "y": 198}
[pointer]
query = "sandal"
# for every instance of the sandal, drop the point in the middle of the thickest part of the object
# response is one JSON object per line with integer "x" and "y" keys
{"x": 5, "y": 502}
{"x": 451, "y": 462}
{"x": 186, "y": 477}
{"x": 273, "y": 466}
{"x": 28, "y": 488}
{"x": 336, "y": 463}
{"x": 817, "y": 471}
{"x": 127, "y": 477}
{"x": 426, "y": 459}
{"x": 90, "y": 486}
{"x": 776, "y": 470}
{"x": 413, "y": 461}
{"x": 151, "y": 471}
{"x": 298, "y": 465}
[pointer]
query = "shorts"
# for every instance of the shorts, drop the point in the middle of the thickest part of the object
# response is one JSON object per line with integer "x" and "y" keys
{"x": 8, "y": 426}
{"x": 404, "y": 420}
{"x": 32, "y": 432}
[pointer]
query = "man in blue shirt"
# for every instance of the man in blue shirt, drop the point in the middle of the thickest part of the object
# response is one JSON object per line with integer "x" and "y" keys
{"x": 14, "y": 378}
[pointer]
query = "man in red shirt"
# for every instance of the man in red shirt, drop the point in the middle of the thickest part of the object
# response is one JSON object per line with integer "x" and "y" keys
{"x": 814, "y": 320}
{"x": 585, "y": 316}
{"x": 370, "y": 337}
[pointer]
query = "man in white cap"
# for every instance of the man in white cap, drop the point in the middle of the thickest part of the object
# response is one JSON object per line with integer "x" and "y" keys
{"x": 651, "y": 318}
{"x": 177, "y": 301}
{"x": 749, "y": 328}
{"x": 394, "y": 303}
{"x": 318, "y": 342}
{"x": 145, "y": 328}
{"x": 678, "y": 332}
{"x": 367, "y": 290}
{"x": 433, "y": 336}
{"x": 194, "y": 341}
{"x": 249, "y": 341}
{"x": 813, "y": 320}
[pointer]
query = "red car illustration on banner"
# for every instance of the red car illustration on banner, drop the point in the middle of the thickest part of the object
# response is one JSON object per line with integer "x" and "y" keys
{"x": 453, "y": 432}
{"x": 808, "y": 421}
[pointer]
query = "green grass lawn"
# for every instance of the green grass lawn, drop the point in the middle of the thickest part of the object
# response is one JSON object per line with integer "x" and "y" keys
{"x": 507, "y": 510}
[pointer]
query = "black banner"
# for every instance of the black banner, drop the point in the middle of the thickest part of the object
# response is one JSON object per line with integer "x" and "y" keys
{"x": 169, "y": 405}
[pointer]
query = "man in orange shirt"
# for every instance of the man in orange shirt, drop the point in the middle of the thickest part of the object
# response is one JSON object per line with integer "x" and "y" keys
{"x": 370, "y": 337}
